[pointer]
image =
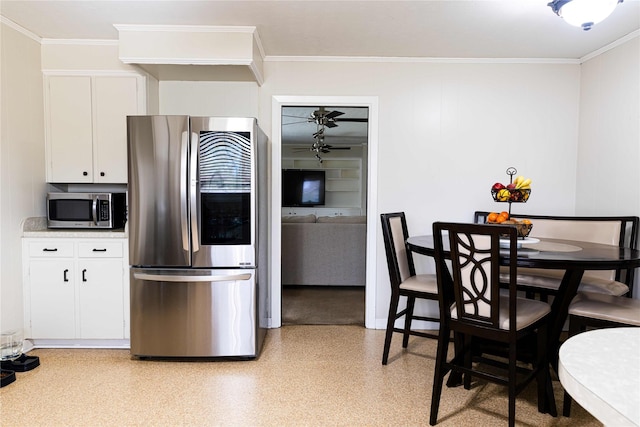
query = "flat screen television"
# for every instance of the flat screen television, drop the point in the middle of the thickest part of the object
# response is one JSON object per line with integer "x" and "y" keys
{"x": 302, "y": 187}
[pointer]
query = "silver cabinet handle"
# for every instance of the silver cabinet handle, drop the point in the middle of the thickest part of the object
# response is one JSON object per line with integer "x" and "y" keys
{"x": 183, "y": 278}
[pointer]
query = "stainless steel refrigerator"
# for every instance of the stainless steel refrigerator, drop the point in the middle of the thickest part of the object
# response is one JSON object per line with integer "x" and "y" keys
{"x": 197, "y": 219}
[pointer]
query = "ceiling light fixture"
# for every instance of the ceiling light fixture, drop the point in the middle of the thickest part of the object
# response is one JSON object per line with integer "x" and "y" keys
{"x": 583, "y": 13}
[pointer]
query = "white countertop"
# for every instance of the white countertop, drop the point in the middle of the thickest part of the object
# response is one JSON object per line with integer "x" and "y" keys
{"x": 600, "y": 369}
{"x": 37, "y": 227}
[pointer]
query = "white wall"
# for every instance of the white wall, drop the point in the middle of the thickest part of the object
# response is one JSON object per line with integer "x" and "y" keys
{"x": 608, "y": 174}
{"x": 22, "y": 187}
{"x": 448, "y": 131}
{"x": 226, "y": 99}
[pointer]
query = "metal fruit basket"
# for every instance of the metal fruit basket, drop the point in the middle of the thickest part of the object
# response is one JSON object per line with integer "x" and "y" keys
{"x": 511, "y": 196}
{"x": 523, "y": 229}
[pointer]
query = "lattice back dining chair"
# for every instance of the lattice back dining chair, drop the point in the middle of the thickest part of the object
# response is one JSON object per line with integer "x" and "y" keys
{"x": 404, "y": 282}
{"x": 474, "y": 309}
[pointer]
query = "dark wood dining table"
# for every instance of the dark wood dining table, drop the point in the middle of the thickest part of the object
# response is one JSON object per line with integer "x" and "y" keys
{"x": 574, "y": 257}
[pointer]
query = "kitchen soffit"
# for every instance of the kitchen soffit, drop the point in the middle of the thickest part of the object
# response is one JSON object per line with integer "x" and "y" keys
{"x": 175, "y": 52}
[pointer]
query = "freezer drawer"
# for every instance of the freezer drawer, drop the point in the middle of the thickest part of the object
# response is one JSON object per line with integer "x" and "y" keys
{"x": 194, "y": 313}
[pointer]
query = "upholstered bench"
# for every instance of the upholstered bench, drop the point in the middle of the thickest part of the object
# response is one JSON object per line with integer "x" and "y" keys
{"x": 608, "y": 309}
{"x": 620, "y": 231}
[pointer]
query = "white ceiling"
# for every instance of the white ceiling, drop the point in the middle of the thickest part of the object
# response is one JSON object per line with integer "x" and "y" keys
{"x": 390, "y": 28}
{"x": 526, "y": 29}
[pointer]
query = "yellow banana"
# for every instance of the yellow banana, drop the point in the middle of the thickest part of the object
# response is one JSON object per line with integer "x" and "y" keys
{"x": 523, "y": 183}
{"x": 518, "y": 181}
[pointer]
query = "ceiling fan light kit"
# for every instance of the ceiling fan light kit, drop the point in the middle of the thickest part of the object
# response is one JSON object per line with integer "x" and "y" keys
{"x": 583, "y": 13}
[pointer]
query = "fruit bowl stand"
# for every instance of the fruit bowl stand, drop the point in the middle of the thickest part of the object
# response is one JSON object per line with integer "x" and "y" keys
{"x": 506, "y": 195}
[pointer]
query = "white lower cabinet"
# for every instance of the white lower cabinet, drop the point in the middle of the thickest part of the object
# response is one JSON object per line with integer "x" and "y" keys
{"x": 76, "y": 289}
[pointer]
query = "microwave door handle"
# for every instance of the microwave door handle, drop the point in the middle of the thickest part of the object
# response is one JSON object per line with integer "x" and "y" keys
{"x": 94, "y": 210}
{"x": 184, "y": 223}
{"x": 194, "y": 192}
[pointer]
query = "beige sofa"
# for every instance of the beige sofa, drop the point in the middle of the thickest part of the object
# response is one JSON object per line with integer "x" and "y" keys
{"x": 324, "y": 250}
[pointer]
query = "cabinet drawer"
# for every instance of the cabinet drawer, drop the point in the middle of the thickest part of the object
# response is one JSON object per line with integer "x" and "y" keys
{"x": 51, "y": 249}
{"x": 100, "y": 249}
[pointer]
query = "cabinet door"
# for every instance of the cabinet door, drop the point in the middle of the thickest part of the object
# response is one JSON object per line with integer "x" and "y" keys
{"x": 115, "y": 99}
{"x": 52, "y": 299}
{"x": 100, "y": 298}
{"x": 70, "y": 141}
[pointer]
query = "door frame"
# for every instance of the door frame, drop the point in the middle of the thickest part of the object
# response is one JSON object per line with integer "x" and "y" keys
{"x": 277, "y": 103}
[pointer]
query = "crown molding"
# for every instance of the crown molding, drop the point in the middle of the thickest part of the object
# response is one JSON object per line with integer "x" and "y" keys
{"x": 90, "y": 73}
{"x": 9, "y": 23}
{"x": 187, "y": 28}
{"x": 383, "y": 59}
{"x": 80, "y": 42}
{"x": 184, "y": 61}
{"x": 610, "y": 46}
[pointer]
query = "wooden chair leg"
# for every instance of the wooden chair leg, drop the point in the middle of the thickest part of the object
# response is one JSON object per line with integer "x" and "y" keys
{"x": 512, "y": 385}
{"x": 546, "y": 398}
{"x": 468, "y": 360}
{"x": 408, "y": 317}
{"x": 439, "y": 373}
{"x": 391, "y": 320}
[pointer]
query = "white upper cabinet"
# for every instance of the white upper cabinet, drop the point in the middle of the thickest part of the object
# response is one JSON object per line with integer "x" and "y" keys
{"x": 86, "y": 127}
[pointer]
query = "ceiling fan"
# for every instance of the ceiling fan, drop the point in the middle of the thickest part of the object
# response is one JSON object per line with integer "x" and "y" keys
{"x": 326, "y": 119}
{"x": 330, "y": 119}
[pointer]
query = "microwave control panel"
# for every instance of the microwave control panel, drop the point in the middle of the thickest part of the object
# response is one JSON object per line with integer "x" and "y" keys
{"x": 103, "y": 210}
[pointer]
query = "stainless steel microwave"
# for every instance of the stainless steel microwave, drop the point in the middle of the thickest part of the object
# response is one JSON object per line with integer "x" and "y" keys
{"x": 86, "y": 210}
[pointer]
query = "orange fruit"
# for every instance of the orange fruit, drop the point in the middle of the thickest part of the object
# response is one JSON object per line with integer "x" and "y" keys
{"x": 504, "y": 214}
{"x": 501, "y": 219}
{"x": 492, "y": 217}
{"x": 526, "y": 221}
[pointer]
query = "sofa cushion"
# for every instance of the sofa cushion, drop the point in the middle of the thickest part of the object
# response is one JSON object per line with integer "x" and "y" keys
{"x": 343, "y": 219}
{"x": 324, "y": 254}
{"x": 299, "y": 218}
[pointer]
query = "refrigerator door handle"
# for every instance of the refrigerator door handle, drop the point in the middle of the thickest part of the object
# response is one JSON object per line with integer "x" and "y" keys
{"x": 184, "y": 223}
{"x": 185, "y": 278}
{"x": 194, "y": 192}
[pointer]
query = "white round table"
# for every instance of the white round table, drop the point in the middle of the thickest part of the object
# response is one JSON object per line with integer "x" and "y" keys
{"x": 600, "y": 369}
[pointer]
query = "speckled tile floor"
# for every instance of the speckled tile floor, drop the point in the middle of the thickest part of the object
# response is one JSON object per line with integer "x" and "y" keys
{"x": 305, "y": 376}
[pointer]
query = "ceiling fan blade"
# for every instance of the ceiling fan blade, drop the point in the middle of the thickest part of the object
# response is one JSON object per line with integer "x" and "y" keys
{"x": 333, "y": 114}
{"x": 295, "y": 117}
{"x": 333, "y": 147}
{"x": 355, "y": 120}
{"x": 295, "y": 123}
{"x": 331, "y": 125}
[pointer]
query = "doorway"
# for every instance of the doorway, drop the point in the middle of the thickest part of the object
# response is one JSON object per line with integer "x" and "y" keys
{"x": 369, "y": 198}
